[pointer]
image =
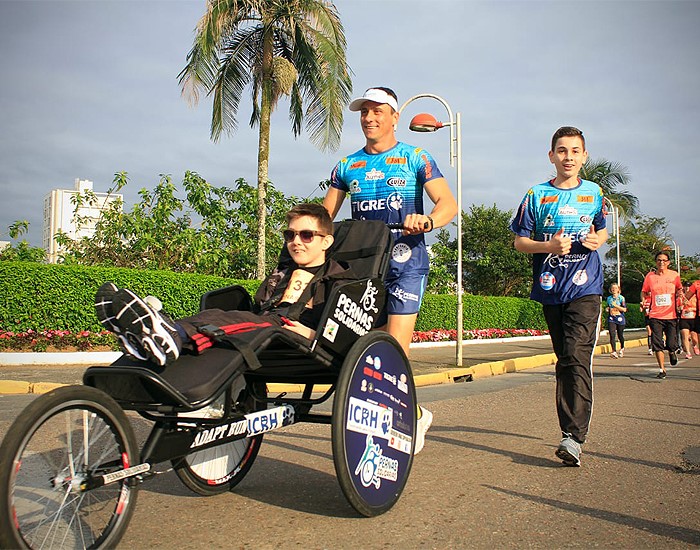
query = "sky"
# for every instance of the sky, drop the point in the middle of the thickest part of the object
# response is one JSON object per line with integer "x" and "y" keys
{"x": 89, "y": 88}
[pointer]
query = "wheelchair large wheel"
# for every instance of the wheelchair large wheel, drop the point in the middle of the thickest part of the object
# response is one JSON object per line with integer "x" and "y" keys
{"x": 374, "y": 423}
{"x": 56, "y": 446}
{"x": 219, "y": 469}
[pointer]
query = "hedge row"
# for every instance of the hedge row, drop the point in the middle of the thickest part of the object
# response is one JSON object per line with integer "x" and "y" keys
{"x": 45, "y": 297}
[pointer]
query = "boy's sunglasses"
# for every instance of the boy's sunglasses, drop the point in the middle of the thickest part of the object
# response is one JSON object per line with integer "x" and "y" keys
{"x": 306, "y": 235}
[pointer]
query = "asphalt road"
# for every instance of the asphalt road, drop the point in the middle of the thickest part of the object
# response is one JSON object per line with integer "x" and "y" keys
{"x": 487, "y": 477}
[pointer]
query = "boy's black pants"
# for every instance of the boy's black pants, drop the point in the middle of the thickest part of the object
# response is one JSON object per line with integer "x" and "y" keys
{"x": 574, "y": 328}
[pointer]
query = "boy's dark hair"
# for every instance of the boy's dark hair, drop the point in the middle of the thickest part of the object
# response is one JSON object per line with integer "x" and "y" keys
{"x": 313, "y": 210}
{"x": 567, "y": 131}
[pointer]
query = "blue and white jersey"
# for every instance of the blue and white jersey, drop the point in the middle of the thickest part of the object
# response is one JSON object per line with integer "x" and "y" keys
{"x": 388, "y": 187}
{"x": 542, "y": 213}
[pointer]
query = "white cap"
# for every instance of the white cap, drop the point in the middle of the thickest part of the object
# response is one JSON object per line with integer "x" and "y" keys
{"x": 376, "y": 95}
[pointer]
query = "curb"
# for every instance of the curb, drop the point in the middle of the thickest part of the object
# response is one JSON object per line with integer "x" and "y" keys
{"x": 449, "y": 376}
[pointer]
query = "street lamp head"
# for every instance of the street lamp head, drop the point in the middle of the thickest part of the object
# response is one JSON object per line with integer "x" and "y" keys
{"x": 424, "y": 122}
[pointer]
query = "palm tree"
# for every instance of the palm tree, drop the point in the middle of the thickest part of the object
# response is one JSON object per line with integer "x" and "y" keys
{"x": 611, "y": 176}
{"x": 279, "y": 47}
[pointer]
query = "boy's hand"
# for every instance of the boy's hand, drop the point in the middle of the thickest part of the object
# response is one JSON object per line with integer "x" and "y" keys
{"x": 296, "y": 326}
{"x": 592, "y": 242}
{"x": 560, "y": 244}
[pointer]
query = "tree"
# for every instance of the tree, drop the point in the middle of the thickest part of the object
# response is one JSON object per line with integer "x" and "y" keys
{"x": 22, "y": 251}
{"x": 210, "y": 231}
{"x": 280, "y": 47}
{"x": 611, "y": 176}
{"x": 491, "y": 265}
{"x": 640, "y": 239}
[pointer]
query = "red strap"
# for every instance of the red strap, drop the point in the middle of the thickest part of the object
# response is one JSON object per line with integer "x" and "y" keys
{"x": 202, "y": 341}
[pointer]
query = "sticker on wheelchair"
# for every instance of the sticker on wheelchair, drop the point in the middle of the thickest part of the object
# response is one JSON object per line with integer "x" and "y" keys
{"x": 378, "y": 424}
{"x": 352, "y": 311}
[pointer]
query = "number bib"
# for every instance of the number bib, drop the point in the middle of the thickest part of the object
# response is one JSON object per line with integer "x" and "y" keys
{"x": 297, "y": 283}
{"x": 662, "y": 300}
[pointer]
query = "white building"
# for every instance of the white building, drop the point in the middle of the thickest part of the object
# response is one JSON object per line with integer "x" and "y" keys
{"x": 59, "y": 215}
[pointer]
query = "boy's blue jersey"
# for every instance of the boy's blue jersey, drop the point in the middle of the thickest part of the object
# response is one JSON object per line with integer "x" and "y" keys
{"x": 542, "y": 213}
{"x": 387, "y": 187}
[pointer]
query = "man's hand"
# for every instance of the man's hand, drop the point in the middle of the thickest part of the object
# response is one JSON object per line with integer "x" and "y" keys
{"x": 415, "y": 224}
{"x": 560, "y": 244}
{"x": 592, "y": 241}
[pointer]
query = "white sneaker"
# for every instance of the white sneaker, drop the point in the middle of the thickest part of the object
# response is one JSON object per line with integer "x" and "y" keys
{"x": 622, "y": 353}
{"x": 614, "y": 355}
{"x": 422, "y": 427}
{"x": 650, "y": 352}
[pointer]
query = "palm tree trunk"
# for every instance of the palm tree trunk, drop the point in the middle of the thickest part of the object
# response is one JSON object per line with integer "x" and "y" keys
{"x": 264, "y": 151}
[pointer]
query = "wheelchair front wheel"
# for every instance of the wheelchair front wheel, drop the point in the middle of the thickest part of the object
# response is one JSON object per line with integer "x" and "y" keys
{"x": 59, "y": 443}
{"x": 219, "y": 469}
{"x": 374, "y": 423}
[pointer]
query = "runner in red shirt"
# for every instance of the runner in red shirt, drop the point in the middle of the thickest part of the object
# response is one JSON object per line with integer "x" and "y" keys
{"x": 661, "y": 290}
{"x": 694, "y": 290}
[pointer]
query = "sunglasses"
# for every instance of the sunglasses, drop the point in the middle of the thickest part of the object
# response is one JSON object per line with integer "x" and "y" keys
{"x": 306, "y": 235}
{"x": 660, "y": 260}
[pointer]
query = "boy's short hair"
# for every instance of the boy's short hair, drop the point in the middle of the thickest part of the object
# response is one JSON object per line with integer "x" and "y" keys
{"x": 567, "y": 131}
{"x": 313, "y": 210}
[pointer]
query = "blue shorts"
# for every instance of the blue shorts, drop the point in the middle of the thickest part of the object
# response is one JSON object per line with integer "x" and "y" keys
{"x": 404, "y": 293}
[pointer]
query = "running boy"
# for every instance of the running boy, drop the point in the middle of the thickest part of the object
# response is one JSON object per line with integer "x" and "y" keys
{"x": 561, "y": 222}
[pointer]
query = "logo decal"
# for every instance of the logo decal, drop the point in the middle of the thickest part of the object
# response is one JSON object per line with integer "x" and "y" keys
{"x": 374, "y": 175}
{"x": 395, "y": 201}
{"x": 396, "y": 182}
{"x": 369, "y": 298}
{"x": 373, "y": 466}
{"x": 547, "y": 280}
{"x": 401, "y": 253}
{"x": 580, "y": 277}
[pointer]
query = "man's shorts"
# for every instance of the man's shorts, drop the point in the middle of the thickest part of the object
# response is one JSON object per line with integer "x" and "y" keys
{"x": 687, "y": 324}
{"x": 404, "y": 293}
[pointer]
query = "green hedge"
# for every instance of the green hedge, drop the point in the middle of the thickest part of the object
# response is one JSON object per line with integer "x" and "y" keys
{"x": 40, "y": 297}
{"x": 44, "y": 297}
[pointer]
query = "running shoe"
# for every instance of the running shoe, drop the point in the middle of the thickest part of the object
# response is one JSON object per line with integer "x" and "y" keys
{"x": 673, "y": 358}
{"x": 650, "y": 352}
{"x": 662, "y": 374}
{"x": 154, "y": 330}
{"x": 105, "y": 314}
{"x": 622, "y": 352}
{"x": 422, "y": 427}
{"x": 688, "y": 356}
{"x": 569, "y": 451}
{"x": 614, "y": 355}
{"x": 696, "y": 349}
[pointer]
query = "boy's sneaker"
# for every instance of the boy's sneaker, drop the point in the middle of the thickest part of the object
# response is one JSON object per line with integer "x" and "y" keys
{"x": 422, "y": 427}
{"x": 622, "y": 353}
{"x": 614, "y": 355}
{"x": 154, "y": 330}
{"x": 105, "y": 314}
{"x": 662, "y": 374}
{"x": 569, "y": 451}
{"x": 672, "y": 357}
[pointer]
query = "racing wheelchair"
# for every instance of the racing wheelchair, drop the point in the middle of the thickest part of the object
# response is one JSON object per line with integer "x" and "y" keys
{"x": 70, "y": 465}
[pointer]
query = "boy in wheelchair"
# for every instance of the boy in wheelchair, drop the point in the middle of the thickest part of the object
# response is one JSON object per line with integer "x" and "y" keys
{"x": 147, "y": 334}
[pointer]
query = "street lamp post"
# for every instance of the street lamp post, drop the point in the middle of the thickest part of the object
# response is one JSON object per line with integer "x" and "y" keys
{"x": 677, "y": 254}
{"x": 427, "y": 123}
{"x": 616, "y": 228}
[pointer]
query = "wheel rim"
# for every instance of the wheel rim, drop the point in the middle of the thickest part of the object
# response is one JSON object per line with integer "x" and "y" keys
{"x": 219, "y": 464}
{"x": 68, "y": 447}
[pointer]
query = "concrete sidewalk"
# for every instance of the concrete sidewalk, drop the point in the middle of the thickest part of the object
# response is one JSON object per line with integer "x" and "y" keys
{"x": 432, "y": 363}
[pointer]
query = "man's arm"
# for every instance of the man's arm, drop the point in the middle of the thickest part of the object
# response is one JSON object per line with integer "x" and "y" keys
{"x": 333, "y": 201}
{"x": 444, "y": 208}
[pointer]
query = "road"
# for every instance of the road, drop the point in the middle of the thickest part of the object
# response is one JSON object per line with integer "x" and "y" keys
{"x": 486, "y": 478}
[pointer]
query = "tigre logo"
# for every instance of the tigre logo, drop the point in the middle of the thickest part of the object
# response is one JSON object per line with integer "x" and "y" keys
{"x": 395, "y": 201}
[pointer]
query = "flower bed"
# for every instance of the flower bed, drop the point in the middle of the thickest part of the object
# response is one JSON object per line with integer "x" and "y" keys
{"x": 63, "y": 340}
{"x": 478, "y": 334}
{"x": 57, "y": 340}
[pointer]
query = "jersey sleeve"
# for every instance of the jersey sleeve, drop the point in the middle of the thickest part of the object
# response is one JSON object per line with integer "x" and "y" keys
{"x": 427, "y": 169}
{"x": 337, "y": 180}
{"x": 523, "y": 223}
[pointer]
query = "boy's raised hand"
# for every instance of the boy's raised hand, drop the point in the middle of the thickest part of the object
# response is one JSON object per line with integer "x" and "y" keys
{"x": 560, "y": 244}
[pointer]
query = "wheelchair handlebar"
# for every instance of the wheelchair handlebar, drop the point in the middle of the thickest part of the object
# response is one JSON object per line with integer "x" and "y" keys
{"x": 400, "y": 225}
